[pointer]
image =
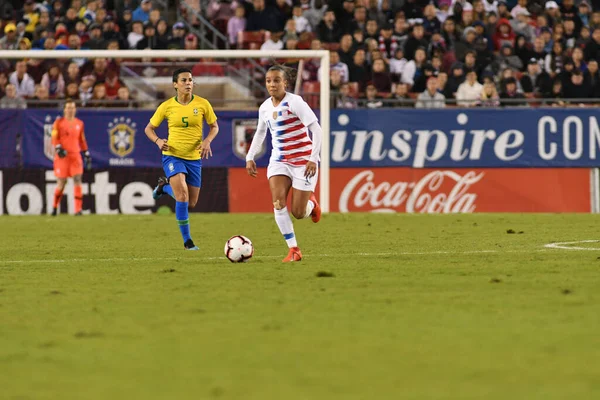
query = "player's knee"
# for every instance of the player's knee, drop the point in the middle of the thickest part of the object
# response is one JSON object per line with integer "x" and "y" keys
{"x": 298, "y": 213}
{"x": 278, "y": 205}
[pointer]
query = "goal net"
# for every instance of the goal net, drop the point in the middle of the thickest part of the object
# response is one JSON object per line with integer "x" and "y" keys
{"x": 134, "y": 83}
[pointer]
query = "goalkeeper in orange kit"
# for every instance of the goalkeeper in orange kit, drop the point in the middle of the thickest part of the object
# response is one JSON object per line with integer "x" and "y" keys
{"x": 68, "y": 139}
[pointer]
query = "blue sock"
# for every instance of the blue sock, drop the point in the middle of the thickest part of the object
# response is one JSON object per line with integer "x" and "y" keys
{"x": 168, "y": 190}
{"x": 181, "y": 213}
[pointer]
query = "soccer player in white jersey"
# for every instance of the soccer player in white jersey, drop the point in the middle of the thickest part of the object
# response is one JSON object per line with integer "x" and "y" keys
{"x": 294, "y": 157}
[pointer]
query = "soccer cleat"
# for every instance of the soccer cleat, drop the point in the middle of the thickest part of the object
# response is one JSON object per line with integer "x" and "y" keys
{"x": 315, "y": 214}
{"x": 189, "y": 245}
{"x": 158, "y": 190}
{"x": 293, "y": 255}
{"x": 54, "y": 212}
{"x": 78, "y": 214}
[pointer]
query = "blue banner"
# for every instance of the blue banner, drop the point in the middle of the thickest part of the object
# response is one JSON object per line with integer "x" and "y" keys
{"x": 452, "y": 138}
{"x": 458, "y": 138}
{"x": 116, "y": 138}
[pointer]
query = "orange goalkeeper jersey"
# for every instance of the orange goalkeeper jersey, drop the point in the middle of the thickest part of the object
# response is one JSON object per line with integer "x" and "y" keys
{"x": 69, "y": 134}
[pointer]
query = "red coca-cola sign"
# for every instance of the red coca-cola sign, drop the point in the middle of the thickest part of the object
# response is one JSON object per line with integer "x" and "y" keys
{"x": 417, "y": 190}
{"x": 460, "y": 190}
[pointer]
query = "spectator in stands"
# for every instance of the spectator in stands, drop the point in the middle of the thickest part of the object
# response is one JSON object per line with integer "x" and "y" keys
{"x": 415, "y": 41}
{"x": 577, "y": 57}
{"x": 10, "y": 39}
{"x": 359, "y": 71}
{"x": 535, "y": 80}
{"x": 112, "y": 84}
{"x": 489, "y": 96}
{"x": 518, "y": 9}
{"x": 431, "y": 98}
{"x": 510, "y": 96}
{"x": 177, "y": 39}
{"x": 45, "y": 25}
{"x": 3, "y": 83}
{"x": 342, "y": 99}
{"x": 290, "y": 30}
{"x": 96, "y": 40}
{"x": 11, "y": 100}
{"x": 89, "y": 15}
{"x": 506, "y": 59}
{"x": 110, "y": 32}
{"x": 29, "y": 15}
{"x": 236, "y": 24}
{"x": 397, "y": 65}
{"x": 442, "y": 82}
{"x": 142, "y": 13}
{"x": 24, "y": 44}
{"x": 328, "y": 29}
{"x": 372, "y": 99}
{"x": 274, "y": 42}
{"x": 264, "y": 18}
{"x": 41, "y": 99}
{"x": 555, "y": 60}
{"x": 372, "y": 31}
{"x": 150, "y": 41}
{"x": 345, "y": 51}
{"x": 345, "y": 15}
{"x": 302, "y": 24}
{"x": 97, "y": 68}
{"x": 538, "y": 52}
{"x": 191, "y": 42}
{"x": 72, "y": 74}
{"x": 380, "y": 77}
{"x": 124, "y": 21}
{"x": 285, "y": 9}
{"x": 314, "y": 14}
{"x": 360, "y": 20}
{"x": 569, "y": 12}
{"x": 575, "y": 89}
{"x": 522, "y": 25}
{"x": 595, "y": 22}
{"x": 583, "y": 38}
{"x": 413, "y": 69}
{"x": 387, "y": 42}
{"x": 336, "y": 64}
{"x": 469, "y": 92}
{"x": 455, "y": 78}
{"x": 431, "y": 23}
{"x": 557, "y": 94}
{"x": 124, "y": 98}
{"x": 72, "y": 91}
{"x": 162, "y": 32}
{"x": 98, "y": 99}
{"x": 504, "y": 34}
{"x": 53, "y": 82}
{"x": 22, "y": 81}
{"x": 591, "y": 79}
{"x": 401, "y": 97}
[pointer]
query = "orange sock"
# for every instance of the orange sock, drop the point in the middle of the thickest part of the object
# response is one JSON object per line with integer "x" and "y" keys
{"x": 57, "y": 196}
{"x": 78, "y": 198}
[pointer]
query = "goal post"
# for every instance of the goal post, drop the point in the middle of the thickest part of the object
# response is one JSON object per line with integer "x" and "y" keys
{"x": 324, "y": 92}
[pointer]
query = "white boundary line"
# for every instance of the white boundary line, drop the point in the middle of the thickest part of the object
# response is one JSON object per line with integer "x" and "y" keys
{"x": 565, "y": 245}
{"x": 138, "y": 259}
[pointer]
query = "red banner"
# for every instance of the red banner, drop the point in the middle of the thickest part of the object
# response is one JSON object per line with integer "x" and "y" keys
{"x": 434, "y": 190}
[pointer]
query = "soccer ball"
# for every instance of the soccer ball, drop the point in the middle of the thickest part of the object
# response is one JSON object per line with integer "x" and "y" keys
{"x": 239, "y": 249}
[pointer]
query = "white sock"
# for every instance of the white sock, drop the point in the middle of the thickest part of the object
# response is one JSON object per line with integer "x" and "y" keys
{"x": 286, "y": 227}
{"x": 309, "y": 207}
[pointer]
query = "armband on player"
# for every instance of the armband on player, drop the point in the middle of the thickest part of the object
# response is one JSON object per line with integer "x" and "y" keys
{"x": 62, "y": 153}
{"x": 87, "y": 158}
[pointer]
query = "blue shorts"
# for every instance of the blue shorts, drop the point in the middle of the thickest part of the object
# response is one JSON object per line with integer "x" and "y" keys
{"x": 191, "y": 168}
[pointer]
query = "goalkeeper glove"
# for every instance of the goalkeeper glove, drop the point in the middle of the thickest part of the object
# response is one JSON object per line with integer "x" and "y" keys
{"x": 87, "y": 160}
{"x": 62, "y": 153}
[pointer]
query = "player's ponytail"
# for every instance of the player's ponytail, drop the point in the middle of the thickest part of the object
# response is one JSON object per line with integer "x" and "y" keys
{"x": 289, "y": 74}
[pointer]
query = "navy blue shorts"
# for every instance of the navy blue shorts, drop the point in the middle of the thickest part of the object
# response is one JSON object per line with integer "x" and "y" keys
{"x": 191, "y": 168}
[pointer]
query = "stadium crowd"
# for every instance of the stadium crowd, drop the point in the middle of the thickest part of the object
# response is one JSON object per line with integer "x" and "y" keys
{"x": 404, "y": 53}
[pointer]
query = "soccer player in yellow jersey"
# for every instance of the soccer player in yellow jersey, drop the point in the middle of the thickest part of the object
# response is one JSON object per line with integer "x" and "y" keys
{"x": 184, "y": 148}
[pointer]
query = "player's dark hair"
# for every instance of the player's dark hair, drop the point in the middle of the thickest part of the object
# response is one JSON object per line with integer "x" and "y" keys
{"x": 180, "y": 71}
{"x": 289, "y": 73}
{"x": 69, "y": 101}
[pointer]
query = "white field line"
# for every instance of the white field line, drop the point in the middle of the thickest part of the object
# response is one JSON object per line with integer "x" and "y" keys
{"x": 141, "y": 259}
{"x": 566, "y": 245}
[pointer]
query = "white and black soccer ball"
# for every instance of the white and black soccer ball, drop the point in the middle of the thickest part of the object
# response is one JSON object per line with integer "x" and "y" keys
{"x": 239, "y": 249}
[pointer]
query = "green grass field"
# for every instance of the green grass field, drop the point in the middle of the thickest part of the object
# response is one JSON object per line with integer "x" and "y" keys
{"x": 418, "y": 307}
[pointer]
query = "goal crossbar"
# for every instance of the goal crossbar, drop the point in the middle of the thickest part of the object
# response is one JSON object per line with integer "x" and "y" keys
{"x": 323, "y": 55}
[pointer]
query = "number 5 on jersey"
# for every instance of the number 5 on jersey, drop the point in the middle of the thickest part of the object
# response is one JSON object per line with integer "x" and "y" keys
{"x": 185, "y": 122}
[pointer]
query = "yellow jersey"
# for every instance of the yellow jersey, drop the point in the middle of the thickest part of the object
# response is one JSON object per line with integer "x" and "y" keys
{"x": 185, "y": 125}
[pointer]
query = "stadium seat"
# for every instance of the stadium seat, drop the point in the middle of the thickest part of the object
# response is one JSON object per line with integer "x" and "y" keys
{"x": 246, "y": 38}
{"x": 208, "y": 69}
{"x": 311, "y": 91}
{"x": 330, "y": 46}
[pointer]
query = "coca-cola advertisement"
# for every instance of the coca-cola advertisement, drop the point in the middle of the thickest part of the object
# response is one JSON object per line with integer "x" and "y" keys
{"x": 411, "y": 190}
{"x": 460, "y": 190}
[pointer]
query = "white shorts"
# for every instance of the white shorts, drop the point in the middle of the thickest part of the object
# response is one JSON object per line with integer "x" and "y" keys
{"x": 295, "y": 173}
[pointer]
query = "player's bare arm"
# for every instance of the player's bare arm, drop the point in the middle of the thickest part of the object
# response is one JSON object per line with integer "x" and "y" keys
{"x": 205, "y": 150}
{"x": 161, "y": 143}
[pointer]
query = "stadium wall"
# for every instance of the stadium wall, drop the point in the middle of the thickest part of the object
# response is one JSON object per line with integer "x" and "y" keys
{"x": 508, "y": 160}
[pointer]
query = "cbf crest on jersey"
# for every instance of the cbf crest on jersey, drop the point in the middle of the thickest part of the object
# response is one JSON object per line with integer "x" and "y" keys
{"x": 121, "y": 135}
{"x": 243, "y": 133}
{"x": 195, "y": 112}
{"x": 48, "y": 148}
